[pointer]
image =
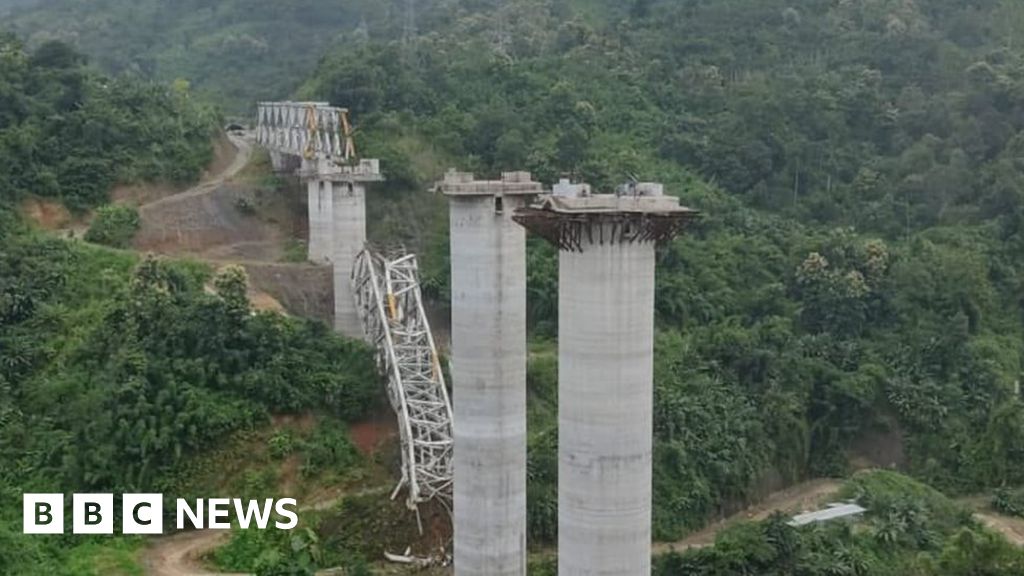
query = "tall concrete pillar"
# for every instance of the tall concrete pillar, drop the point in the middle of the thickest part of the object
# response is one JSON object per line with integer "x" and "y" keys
{"x": 278, "y": 161}
{"x": 349, "y": 204}
{"x": 337, "y": 227}
{"x": 605, "y": 370}
{"x": 488, "y": 286}
{"x": 321, "y": 219}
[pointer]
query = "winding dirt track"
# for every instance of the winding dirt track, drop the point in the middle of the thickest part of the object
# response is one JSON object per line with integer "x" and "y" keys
{"x": 243, "y": 154}
{"x": 813, "y": 494}
{"x": 181, "y": 554}
{"x": 1011, "y": 528}
{"x": 796, "y": 499}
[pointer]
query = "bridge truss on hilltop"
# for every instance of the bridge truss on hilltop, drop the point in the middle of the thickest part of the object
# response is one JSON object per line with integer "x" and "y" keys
{"x": 390, "y": 305}
{"x": 311, "y": 130}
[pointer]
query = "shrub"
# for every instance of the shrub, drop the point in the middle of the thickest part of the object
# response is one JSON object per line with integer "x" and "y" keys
{"x": 1009, "y": 501}
{"x": 114, "y": 226}
{"x": 281, "y": 445}
{"x": 329, "y": 450}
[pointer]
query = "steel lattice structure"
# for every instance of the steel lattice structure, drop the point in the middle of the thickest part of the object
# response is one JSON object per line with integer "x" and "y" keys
{"x": 312, "y": 130}
{"x": 390, "y": 305}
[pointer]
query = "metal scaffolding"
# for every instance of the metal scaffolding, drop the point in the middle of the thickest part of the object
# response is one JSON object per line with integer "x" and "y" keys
{"x": 390, "y": 306}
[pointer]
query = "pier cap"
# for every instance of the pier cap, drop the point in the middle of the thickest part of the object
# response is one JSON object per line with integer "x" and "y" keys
{"x": 366, "y": 170}
{"x": 636, "y": 213}
{"x": 511, "y": 184}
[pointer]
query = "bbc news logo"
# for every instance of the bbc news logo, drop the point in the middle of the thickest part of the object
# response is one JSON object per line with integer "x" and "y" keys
{"x": 144, "y": 513}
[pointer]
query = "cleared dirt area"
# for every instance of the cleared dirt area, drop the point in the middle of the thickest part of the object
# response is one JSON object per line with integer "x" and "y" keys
{"x": 370, "y": 435}
{"x": 303, "y": 290}
{"x": 1011, "y": 528}
{"x": 218, "y": 221}
{"x": 47, "y": 214}
{"x": 214, "y": 220}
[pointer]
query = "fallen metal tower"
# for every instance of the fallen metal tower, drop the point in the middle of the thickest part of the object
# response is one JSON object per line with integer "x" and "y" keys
{"x": 390, "y": 306}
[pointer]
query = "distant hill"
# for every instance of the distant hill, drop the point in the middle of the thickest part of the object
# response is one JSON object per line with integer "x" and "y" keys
{"x": 8, "y": 5}
{"x": 235, "y": 51}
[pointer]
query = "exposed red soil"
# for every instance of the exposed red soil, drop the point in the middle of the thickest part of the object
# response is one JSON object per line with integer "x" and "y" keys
{"x": 48, "y": 214}
{"x": 370, "y": 435}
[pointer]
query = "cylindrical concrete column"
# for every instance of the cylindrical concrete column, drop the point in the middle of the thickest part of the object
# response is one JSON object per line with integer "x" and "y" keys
{"x": 488, "y": 286}
{"x": 321, "y": 220}
{"x": 349, "y": 237}
{"x": 605, "y": 404}
{"x": 277, "y": 161}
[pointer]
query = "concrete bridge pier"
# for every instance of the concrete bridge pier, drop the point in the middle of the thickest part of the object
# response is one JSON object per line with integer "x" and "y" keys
{"x": 348, "y": 240}
{"x": 337, "y": 227}
{"x": 320, "y": 194}
{"x": 283, "y": 163}
{"x": 488, "y": 287}
{"x": 277, "y": 161}
{"x": 315, "y": 140}
{"x": 605, "y": 370}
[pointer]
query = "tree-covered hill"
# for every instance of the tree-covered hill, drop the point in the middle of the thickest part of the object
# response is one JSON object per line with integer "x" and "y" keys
{"x": 854, "y": 291}
{"x": 234, "y": 53}
{"x": 8, "y": 5}
{"x": 70, "y": 134}
{"x": 117, "y": 371}
{"x": 858, "y": 271}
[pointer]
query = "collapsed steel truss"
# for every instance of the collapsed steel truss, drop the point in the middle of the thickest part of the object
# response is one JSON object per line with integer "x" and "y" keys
{"x": 390, "y": 305}
{"x": 312, "y": 130}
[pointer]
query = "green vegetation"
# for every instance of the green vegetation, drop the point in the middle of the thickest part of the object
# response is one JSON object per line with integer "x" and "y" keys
{"x": 114, "y": 226}
{"x": 857, "y": 273}
{"x": 233, "y": 52}
{"x": 909, "y": 529}
{"x": 70, "y": 134}
{"x": 117, "y": 374}
{"x": 1009, "y": 501}
{"x": 360, "y": 526}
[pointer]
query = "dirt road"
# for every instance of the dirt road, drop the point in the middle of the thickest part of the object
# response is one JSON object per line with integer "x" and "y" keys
{"x": 800, "y": 498}
{"x": 213, "y": 220}
{"x": 1011, "y": 528}
{"x": 181, "y": 554}
{"x": 243, "y": 146}
{"x": 812, "y": 495}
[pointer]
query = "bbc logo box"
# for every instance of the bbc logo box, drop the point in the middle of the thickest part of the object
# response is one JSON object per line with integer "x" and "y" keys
{"x": 93, "y": 514}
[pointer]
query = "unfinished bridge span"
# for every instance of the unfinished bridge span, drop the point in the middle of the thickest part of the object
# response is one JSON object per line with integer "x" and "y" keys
{"x": 376, "y": 296}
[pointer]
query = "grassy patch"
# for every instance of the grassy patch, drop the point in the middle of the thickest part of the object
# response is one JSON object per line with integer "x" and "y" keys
{"x": 117, "y": 557}
{"x": 295, "y": 251}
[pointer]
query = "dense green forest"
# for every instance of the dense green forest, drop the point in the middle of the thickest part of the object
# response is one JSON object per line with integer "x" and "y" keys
{"x": 70, "y": 134}
{"x": 853, "y": 293}
{"x": 858, "y": 270}
{"x": 233, "y": 53}
{"x": 116, "y": 371}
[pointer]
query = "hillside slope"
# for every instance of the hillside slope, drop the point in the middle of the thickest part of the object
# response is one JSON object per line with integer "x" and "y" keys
{"x": 856, "y": 288}
{"x": 234, "y": 53}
